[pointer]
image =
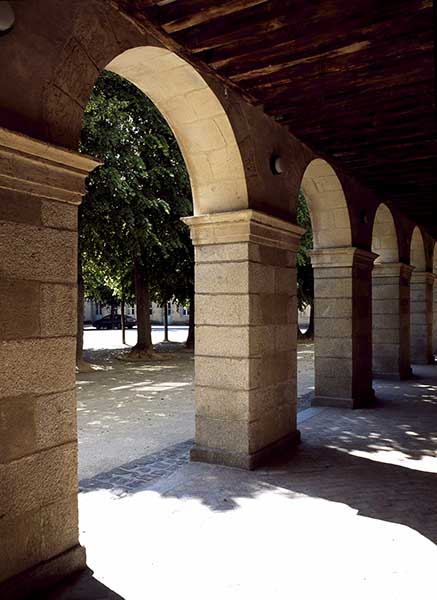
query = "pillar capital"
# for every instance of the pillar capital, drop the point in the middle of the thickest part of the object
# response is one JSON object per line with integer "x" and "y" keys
{"x": 244, "y": 226}
{"x": 392, "y": 270}
{"x": 347, "y": 256}
{"x": 422, "y": 277}
{"x": 41, "y": 170}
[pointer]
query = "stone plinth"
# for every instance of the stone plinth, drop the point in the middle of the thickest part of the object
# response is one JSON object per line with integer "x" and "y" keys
{"x": 343, "y": 327}
{"x": 421, "y": 300}
{"x": 391, "y": 320}
{"x": 245, "y": 364}
{"x": 40, "y": 188}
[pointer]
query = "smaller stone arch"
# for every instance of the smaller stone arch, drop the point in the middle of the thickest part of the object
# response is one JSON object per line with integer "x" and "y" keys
{"x": 384, "y": 238}
{"x": 327, "y": 204}
{"x": 417, "y": 250}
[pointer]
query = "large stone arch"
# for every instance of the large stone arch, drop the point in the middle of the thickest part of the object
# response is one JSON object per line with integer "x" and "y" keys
{"x": 384, "y": 238}
{"x": 327, "y": 204}
{"x": 198, "y": 120}
{"x": 417, "y": 250}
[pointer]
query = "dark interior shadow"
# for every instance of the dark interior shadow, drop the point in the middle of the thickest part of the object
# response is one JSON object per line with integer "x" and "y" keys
{"x": 81, "y": 586}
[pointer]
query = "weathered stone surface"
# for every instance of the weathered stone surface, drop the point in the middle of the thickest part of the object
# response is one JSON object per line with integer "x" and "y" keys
{"x": 31, "y": 482}
{"x": 58, "y": 310}
{"x": 226, "y": 434}
{"x": 218, "y": 253}
{"x": 245, "y": 336}
{"x": 59, "y": 526}
{"x": 19, "y": 309}
{"x": 221, "y": 309}
{"x": 34, "y": 253}
{"x": 343, "y": 349}
{"x": 29, "y": 424}
{"x": 421, "y": 310}
{"x": 59, "y": 215}
{"x": 38, "y": 366}
{"x": 19, "y": 207}
{"x": 21, "y": 543}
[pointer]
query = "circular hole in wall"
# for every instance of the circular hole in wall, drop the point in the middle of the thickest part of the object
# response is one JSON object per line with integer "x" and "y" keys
{"x": 277, "y": 164}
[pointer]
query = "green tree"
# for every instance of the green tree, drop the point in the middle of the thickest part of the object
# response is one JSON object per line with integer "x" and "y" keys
{"x": 134, "y": 200}
{"x": 305, "y": 278}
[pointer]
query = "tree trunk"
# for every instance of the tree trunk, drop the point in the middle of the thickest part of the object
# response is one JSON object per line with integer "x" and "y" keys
{"x": 309, "y": 334}
{"x": 81, "y": 364}
{"x": 165, "y": 323}
{"x": 190, "y": 338}
{"x": 80, "y": 314}
{"x": 144, "y": 339}
{"x": 123, "y": 325}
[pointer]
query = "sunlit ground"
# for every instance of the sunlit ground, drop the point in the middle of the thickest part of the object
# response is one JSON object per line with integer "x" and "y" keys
{"x": 353, "y": 515}
{"x": 129, "y": 410}
{"x": 111, "y": 339}
{"x": 182, "y": 542}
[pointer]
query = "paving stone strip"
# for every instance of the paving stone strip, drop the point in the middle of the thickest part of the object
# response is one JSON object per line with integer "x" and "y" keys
{"x": 131, "y": 476}
{"x": 136, "y": 474}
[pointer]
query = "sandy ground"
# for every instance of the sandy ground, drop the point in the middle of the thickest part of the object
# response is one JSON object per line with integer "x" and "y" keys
{"x": 129, "y": 410}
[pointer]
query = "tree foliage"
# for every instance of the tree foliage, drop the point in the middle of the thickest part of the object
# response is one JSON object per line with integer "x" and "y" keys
{"x": 305, "y": 281}
{"x": 130, "y": 216}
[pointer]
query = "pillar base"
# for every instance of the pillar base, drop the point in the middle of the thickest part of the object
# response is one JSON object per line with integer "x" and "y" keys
{"x": 241, "y": 460}
{"x": 44, "y": 575}
{"x": 407, "y": 374}
{"x": 345, "y": 402}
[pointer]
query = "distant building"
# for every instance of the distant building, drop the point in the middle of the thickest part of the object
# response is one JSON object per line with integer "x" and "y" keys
{"x": 177, "y": 314}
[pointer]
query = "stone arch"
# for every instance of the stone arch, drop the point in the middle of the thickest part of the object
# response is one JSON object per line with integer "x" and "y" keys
{"x": 198, "y": 120}
{"x": 417, "y": 250}
{"x": 328, "y": 207}
{"x": 384, "y": 238}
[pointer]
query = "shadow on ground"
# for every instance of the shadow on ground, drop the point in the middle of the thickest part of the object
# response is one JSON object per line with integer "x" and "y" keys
{"x": 82, "y": 586}
{"x": 382, "y": 462}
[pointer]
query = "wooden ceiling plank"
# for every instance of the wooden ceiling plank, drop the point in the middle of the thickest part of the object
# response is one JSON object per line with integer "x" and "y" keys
{"x": 194, "y": 12}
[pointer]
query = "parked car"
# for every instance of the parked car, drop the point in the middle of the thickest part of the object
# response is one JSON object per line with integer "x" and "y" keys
{"x": 114, "y": 322}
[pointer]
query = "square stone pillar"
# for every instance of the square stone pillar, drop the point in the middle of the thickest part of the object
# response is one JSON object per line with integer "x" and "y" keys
{"x": 40, "y": 188}
{"x": 391, "y": 320}
{"x": 343, "y": 327}
{"x": 421, "y": 300}
{"x": 245, "y": 346}
{"x": 434, "y": 317}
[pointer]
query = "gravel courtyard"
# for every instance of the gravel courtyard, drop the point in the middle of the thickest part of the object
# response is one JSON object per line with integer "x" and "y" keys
{"x": 129, "y": 411}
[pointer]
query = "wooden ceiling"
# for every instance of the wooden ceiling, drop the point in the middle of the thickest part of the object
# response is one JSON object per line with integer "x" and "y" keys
{"x": 352, "y": 79}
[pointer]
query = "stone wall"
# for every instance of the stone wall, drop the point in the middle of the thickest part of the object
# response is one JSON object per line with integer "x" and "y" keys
{"x": 40, "y": 188}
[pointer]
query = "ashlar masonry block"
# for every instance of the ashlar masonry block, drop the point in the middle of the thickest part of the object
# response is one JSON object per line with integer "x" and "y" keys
{"x": 245, "y": 337}
{"x": 391, "y": 320}
{"x": 342, "y": 342}
{"x": 421, "y": 313}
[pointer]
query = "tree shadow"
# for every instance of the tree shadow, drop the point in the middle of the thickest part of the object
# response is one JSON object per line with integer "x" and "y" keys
{"x": 381, "y": 462}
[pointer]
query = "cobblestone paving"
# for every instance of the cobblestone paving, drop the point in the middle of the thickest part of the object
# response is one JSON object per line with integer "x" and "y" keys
{"x": 138, "y": 473}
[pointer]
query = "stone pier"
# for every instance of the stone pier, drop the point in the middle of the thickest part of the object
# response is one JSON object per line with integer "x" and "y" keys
{"x": 245, "y": 337}
{"x": 343, "y": 325}
{"x": 421, "y": 301}
{"x": 391, "y": 320}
